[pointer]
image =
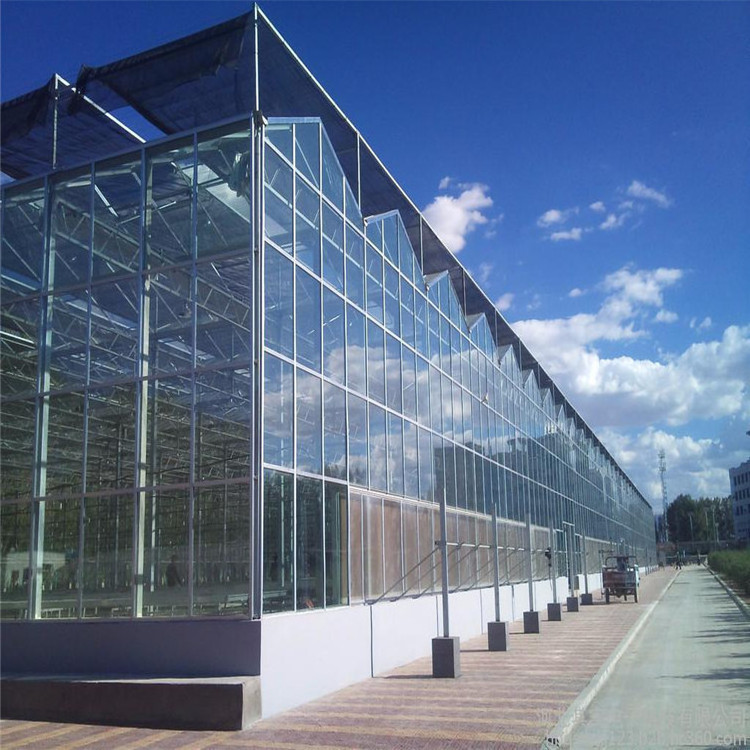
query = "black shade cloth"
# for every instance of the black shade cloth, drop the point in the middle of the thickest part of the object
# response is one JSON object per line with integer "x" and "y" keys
{"x": 27, "y": 134}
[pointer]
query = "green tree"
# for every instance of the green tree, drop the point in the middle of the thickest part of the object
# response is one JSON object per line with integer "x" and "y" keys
{"x": 700, "y": 520}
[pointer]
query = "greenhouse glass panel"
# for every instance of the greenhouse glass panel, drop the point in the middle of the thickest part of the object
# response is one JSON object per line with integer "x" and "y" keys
{"x": 308, "y": 320}
{"x": 307, "y": 227}
{"x": 278, "y": 541}
{"x": 60, "y": 560}
{"x": 309, "y": 547}
{"x": 309, "y": 423}
{"x": 279, "y": 302}
{"x": 278, "y": 420}
{"x": 334, "y": 350}
{"x": 107, "y": 557}
{"x": 336, "y": 545}
{"x": 307, "y": 151}
{"x": 221, "y": 529}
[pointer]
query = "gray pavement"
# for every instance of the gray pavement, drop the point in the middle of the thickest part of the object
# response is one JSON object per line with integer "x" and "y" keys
{"x": 685, "y": 680}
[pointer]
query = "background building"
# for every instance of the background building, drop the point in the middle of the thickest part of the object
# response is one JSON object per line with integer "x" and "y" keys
{"x": 739, "y": 480}
{"x": 241, "y": 374}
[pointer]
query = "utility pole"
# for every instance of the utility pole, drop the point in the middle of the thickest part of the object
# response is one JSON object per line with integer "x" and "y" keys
{"x": 663, "y": 472}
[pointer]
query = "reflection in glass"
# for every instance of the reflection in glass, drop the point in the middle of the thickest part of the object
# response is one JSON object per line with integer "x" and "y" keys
{"x": 395, "y": 455}
{"x": 333, "y": 248}
{"x": 308, "y": 320}
{"x": 278, "y": 426}
{"x": 393, "y": 372}
{"x": 377, "y": 448}
{"x": 307, "y": 227}
{"x": 334, "y": 362}
{"x": 279, "y": 302}
{"x": 334, "y": 436}
{"x": 375, "y": 362}
{"x": 356, "y": 353}
{"x": 355, "y": 267}
{"x": 357, "y": 435}
{"x": 309, "y": 448}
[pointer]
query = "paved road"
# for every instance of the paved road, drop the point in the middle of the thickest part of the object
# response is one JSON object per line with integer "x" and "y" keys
{"x": 684, "y": 682}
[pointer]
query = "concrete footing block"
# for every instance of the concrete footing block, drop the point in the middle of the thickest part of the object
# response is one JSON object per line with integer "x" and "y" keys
{"x": 572, "y": 604}
{"x": 497, "y": 636}
{"x": 223, "y": 703}
{"x": 554, "y": 612}
{"x": 531, "y": 622}
{"x": 446, "y": 657}
{"x": 587, "y": 599}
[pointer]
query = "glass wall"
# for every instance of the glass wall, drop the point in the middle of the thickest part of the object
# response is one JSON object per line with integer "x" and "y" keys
{"x": 126, "y": 388}
{"x": 128, "y": 326}
{"x": 396, "y": 390}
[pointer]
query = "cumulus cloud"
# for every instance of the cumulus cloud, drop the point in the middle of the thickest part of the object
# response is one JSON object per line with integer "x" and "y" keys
{"x": 613, "y": 221}
{"x": 576, "y": 292}
{"x": 598, "y": 206}
{"x": 504, "y": 302}
{"x": 709, "y": 380}
{"x": 638, "y": 190}
{"x": 695, "y": 466}
{"x": 666, "y": 316}
{"x": 703, "y": 325}
{"x": 444, "y": 183}
{"x": 453, "y": 217}
{"x": 555, "y": 216}
{"x": 574, "y": 234}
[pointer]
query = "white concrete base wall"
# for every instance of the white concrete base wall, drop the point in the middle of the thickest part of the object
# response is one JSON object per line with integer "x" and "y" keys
{"x": 305, "y": 655}
{"x": 401, "y": 631}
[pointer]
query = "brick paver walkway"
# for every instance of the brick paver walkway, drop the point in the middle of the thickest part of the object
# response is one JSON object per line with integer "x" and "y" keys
{"x": 502, "y": 700}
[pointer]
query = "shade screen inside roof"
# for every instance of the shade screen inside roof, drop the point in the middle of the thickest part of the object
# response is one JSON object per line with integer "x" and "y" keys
{"x": 28, "y": 132}
{"x": 203, "y": 78}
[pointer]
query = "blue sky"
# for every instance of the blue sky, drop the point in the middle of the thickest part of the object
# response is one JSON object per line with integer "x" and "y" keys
{"x": 588, "y": 162}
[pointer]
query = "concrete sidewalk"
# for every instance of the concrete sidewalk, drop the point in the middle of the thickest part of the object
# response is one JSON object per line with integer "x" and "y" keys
{"x": 502, "y": 700}
{"x": 685, "y": 682}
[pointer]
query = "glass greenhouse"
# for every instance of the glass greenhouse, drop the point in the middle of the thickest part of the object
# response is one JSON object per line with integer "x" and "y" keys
{"x": 240, "y": 373}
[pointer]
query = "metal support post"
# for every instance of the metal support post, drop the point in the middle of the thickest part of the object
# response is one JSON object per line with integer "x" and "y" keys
{"x": 497, "y": 631}
{"x": 531, "y": 617}
{"x": 587, "y": 597}
{"x": 446, "y": 653}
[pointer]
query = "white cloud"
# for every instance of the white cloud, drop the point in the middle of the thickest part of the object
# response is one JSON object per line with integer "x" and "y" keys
{"x": 613, "y": 221}
{"x": 638, "y": 190}
{"x": 598, "y": 206}
{"x": 576, "y": 292}
{"x": 454, "y": 217}
{"x": 504, "y": 302}
{"x": 704, "y": 325}
{"x": 571, "y": 234}
{"x": 444, "y": 183}
{"x": 709, "y": 380}
{"x": 548, "y": 218}
{"x": 555, "y": 216}
{"x": 695, "y": 466}
{"x": 666, "y": 316}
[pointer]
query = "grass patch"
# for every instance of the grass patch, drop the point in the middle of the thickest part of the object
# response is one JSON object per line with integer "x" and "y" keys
{"x": 734, "y": 565}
